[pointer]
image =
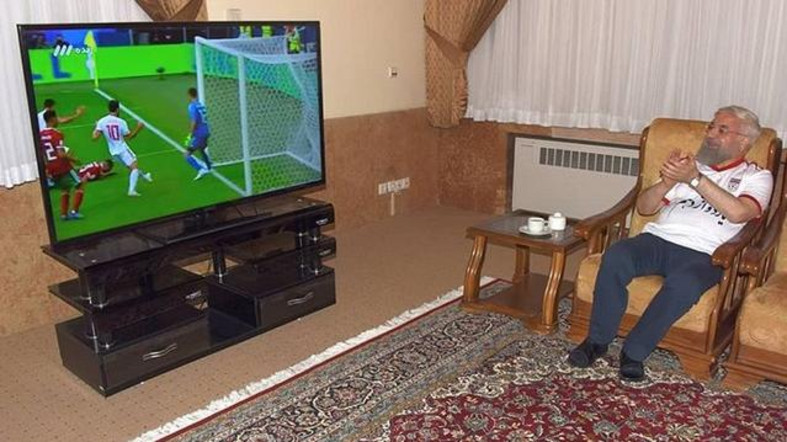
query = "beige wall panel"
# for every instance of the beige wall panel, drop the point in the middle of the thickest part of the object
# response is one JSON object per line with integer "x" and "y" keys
{"x": 360, "y": 40}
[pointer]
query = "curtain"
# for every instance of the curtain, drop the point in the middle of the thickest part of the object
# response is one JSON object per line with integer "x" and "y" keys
{"x": 617, "y": 64}
{"x": 175, "y": 10}
{"x": 17, "y": 154}
{"x": 453, "y": 29}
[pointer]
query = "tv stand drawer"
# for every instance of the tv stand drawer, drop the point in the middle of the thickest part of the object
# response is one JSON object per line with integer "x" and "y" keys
{"x": 255, "y": 300}
{"x": 154, "y": 354}
{"x": 112, "y": 370}
{"x": 296, "y": 302}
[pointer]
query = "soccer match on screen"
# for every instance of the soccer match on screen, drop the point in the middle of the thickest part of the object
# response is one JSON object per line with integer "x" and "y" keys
{"x": 138, "y": 124}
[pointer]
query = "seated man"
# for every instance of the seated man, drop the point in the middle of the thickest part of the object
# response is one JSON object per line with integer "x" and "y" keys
{"x": 702, "y": 201}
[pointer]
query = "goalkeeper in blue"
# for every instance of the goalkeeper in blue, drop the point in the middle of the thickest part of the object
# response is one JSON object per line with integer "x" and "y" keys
{"x": 199, "y": 132}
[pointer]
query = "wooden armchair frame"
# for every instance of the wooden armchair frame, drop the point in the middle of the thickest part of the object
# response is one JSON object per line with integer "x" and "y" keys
{"x": 698, "y": 352}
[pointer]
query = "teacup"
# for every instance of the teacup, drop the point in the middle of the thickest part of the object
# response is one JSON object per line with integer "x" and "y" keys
{"x": 536, "y": 224}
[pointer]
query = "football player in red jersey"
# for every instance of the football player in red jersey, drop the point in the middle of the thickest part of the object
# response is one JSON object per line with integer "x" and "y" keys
{"x": 95, "y": 170}
{"x": 59, "y": 167}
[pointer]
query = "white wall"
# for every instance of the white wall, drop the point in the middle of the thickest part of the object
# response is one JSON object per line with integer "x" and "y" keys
{"x": 360, "y": 40}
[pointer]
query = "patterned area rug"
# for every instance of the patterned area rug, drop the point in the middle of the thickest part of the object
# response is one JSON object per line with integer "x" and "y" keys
{"x": 451, "y": 375}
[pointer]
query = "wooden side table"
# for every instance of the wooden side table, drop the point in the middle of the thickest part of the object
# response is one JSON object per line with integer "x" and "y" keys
{"x": 533, "y": 298}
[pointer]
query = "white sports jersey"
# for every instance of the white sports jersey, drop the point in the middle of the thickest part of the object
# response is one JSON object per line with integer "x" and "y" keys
{"x": 41, "y": 121}
{"x": 114, "y": 129}
{"x": 690, "y": 221}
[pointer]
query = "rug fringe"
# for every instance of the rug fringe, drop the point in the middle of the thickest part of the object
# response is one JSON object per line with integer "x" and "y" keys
{"x": 283, "y": 375}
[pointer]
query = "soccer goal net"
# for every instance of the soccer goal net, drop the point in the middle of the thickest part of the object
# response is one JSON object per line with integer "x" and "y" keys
{"x": 263, "y": 110}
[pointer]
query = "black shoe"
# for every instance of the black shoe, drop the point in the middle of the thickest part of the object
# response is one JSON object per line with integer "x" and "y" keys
{"x": 586, "y": 353}
{"x": 631, "y": 370}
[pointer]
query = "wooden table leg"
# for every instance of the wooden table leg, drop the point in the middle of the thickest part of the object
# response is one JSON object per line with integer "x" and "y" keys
{"x": 550, "y": 304}
{"x": 473, "y": 272}
{"x": 522, "y": 266}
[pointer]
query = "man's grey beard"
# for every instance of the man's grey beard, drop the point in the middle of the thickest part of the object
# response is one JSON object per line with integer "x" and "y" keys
{"x": 710, "y": 156}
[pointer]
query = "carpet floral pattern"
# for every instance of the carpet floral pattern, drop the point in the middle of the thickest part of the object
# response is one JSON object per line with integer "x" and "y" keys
{"x": 457, "y": 376}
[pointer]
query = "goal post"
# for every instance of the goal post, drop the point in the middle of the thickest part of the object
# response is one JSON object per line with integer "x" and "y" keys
{"x": 263, "y": 108}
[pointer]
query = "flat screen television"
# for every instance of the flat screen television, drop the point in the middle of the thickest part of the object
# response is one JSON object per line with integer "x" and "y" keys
{"x": 135, "y": 123}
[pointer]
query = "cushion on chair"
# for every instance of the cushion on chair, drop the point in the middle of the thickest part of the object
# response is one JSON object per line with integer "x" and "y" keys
{"x": 763, "y": 316}
{"x": 641, "y": 292}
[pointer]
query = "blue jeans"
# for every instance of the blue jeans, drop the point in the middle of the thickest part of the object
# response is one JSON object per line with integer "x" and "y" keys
{"x": 687, "y": 275}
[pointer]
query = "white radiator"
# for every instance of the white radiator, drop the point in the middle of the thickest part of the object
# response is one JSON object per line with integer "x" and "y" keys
{"x": 576, "y": 178}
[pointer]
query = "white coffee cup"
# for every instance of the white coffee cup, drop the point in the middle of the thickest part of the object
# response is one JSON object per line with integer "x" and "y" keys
{"x": 557, "y": 221}
{"x": 535, "y": 224}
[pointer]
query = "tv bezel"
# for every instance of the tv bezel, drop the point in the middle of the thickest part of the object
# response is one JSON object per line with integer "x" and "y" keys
{"x": 56, "y": 244}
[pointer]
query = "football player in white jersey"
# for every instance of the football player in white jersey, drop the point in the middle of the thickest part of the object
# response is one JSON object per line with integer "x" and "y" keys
{"x": 116, "y": 133}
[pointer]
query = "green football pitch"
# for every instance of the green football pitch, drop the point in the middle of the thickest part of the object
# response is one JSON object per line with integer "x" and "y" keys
{"x": 162, "y": 104}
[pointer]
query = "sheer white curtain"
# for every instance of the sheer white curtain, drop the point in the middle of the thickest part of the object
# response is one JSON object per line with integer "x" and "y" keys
{"x": 17, "y": 154}
{"x": 617, "y": 64}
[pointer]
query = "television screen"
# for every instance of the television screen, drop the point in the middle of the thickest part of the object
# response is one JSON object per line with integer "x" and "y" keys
{"x": 137, "y": 122}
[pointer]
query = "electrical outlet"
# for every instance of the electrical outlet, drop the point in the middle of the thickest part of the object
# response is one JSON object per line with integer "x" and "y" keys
{"x": 397, "y": 186}
{"x": 393, "y": 186}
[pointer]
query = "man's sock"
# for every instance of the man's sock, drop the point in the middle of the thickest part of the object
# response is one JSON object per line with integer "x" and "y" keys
{"x": 193, "y": 163}
{"x": 78, "y": 195}
{"x": 64, "y": 204}
{"x": 206, "y": 158}
{"x": 132, "y": 181}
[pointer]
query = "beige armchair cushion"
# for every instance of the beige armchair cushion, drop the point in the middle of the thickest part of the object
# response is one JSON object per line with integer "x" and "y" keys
{"x": 641, "y": 292}
{"x": 763, "y": 316}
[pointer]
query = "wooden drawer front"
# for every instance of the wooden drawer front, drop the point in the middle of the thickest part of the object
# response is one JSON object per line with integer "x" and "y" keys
{"x": 156, "y": 353}
{"x": 295, "y": 302}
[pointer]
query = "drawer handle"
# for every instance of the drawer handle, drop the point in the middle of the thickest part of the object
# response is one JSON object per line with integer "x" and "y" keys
{"x": 303, "y": 299}
{"x": 160, "y": 353}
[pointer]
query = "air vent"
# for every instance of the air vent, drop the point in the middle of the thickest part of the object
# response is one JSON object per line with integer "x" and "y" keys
{"x": 583, "y": 160}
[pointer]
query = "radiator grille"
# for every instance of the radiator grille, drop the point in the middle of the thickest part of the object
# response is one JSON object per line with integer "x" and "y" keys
{"x": 583, "y": 160}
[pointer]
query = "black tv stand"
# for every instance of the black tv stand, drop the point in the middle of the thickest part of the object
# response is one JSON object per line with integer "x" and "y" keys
{"x": 143, "y": 313}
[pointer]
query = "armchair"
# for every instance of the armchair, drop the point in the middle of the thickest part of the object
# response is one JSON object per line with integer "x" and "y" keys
{"x": 759, "y": 346}
{"x": 698, "y": 337}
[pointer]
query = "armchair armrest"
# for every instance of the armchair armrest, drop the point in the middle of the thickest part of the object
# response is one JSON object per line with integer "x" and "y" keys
{"x": 595, "y": 223}
{"x": 754, "y": 257}
{"x": 725, "y": 254}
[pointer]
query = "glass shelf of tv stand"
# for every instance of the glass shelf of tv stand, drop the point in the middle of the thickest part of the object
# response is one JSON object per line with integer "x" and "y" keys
{"x": 231, "y": 220}
{"x": 108, "y": 249}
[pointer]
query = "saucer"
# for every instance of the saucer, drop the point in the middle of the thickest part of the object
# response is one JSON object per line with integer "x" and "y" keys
{"x": 545, "y": 232}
